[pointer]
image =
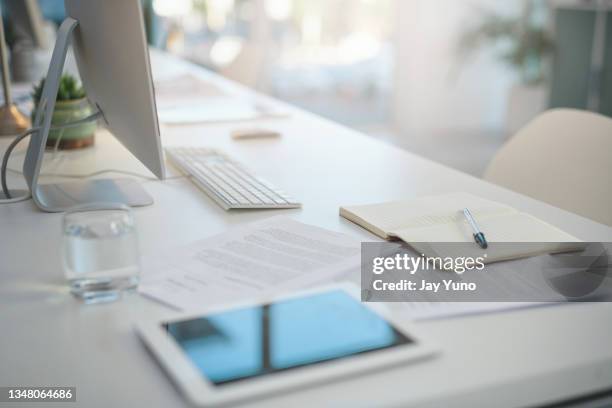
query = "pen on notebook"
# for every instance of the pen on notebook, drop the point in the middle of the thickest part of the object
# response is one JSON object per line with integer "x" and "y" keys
{"x": 478, "y": 235}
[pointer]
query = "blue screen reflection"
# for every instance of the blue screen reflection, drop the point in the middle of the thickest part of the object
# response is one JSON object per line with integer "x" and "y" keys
{"x": 250, "y": 342}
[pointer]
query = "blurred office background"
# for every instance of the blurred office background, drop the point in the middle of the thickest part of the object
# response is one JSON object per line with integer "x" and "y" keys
{"x": 450, "y": 80}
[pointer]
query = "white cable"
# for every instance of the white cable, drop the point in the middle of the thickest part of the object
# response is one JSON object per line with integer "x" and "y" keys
{"x": 5, "y": 159}
{"x": 20, "y": 137}
{"x": 61, "y": 127}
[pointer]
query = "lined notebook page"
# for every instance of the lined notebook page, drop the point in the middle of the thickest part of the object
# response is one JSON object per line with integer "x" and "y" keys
{"x": 439, "y": 219}
{"x": 513, "y": 227}
{"x": 510, "y": 227}
{"x": 386, "y": 219}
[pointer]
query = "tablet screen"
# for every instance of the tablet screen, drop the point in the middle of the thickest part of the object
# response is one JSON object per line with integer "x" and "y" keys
{"x": 255, "y": 341}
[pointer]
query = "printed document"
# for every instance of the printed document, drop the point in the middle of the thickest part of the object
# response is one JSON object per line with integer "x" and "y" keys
{"x": 273, "y": 255}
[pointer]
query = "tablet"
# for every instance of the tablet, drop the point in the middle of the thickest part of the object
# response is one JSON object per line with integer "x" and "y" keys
{"x": 270, "y": 346}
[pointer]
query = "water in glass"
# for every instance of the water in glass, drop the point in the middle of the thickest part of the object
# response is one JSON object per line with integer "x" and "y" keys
{"x": 101, "y": 257}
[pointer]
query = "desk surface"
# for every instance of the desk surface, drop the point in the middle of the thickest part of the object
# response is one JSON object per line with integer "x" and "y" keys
{"x": 48, "y": 338}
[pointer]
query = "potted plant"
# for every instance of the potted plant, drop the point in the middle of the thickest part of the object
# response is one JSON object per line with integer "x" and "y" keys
{"x": 525, "y": 46}
{"x": 71, "y": 105}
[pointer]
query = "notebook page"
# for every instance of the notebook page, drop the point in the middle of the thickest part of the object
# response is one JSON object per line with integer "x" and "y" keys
{"x": 388, "y": 218}
{"x": 513, "y": 227}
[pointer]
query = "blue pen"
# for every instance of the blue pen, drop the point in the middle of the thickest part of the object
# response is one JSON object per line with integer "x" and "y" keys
{"x": 478, "y": 235}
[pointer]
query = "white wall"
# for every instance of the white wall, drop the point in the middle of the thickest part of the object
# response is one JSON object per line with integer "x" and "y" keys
{"x": 431, "y": 91}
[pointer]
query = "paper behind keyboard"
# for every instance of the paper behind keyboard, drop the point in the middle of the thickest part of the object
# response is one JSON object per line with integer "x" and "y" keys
{"x": 184, "y": 90}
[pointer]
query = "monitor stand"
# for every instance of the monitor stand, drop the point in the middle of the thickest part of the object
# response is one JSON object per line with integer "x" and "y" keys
{"x": 60, "y": 197}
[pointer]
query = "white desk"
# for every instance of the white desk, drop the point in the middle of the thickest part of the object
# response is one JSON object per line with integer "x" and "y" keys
{"x": 516, "y": 358}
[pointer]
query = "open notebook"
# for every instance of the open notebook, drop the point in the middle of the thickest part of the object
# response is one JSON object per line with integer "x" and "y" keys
{"x": 439, "y": 219}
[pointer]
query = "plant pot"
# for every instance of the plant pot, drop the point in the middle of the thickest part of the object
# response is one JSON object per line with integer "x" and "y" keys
{"x": 75, "y": 137}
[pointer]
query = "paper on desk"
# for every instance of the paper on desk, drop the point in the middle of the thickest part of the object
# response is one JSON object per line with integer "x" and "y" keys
{"x": 425, "y": 310}
{"x": 273, "y": 255}
{"x": 186, "y": 99}
{"x": 216, "y": 110}
{"x": 184, "y": 90}
{"x": 507, "y": 273}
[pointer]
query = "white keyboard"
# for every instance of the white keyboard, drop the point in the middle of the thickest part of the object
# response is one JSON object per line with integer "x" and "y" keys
{"x": 226, "y": 181}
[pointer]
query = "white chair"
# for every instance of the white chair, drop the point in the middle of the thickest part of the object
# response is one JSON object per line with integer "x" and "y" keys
{"x": 564, "y": 158}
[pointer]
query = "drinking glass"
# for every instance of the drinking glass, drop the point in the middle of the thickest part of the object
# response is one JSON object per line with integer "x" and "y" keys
{"x": 101, "y": 257}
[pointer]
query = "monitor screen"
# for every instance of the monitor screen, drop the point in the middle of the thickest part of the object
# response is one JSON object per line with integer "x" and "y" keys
{"x": 255, "y": 341}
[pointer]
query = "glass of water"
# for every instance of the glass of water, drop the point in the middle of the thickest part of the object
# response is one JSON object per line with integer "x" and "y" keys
{"x": 101, "y": 257}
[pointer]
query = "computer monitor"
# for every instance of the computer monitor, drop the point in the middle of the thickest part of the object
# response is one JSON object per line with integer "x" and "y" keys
{"x": 112, "y": 57}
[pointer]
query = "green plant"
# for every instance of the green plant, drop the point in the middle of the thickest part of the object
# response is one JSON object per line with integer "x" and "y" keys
{"x": 69, "y": 89}
{"x": 525, "y": 44}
